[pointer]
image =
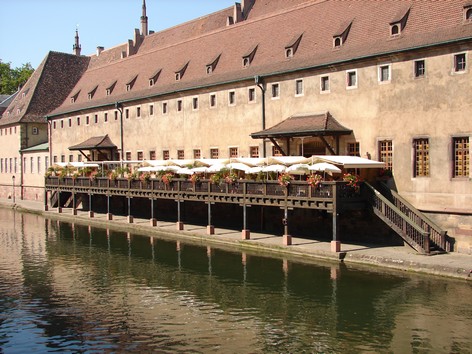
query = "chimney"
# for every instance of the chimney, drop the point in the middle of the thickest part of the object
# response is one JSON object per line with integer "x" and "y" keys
{"x": 100, "y": 50}
{"x": 238, "y": 14}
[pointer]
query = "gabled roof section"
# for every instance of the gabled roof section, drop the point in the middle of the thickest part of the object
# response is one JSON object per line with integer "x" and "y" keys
{"x": 211, "y": 66}
{"x": 97, "y": 142}
{"x": 304, "y": 125}
{"x": 131, "y": 81}
{"x": 91, "y": 93}
{"x": 155, "y": 76}
{"x": 318, "y": 20}
{"x": 46, "y": 89}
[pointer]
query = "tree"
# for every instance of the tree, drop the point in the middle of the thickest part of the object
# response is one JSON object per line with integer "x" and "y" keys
{"x": 12, "y": 79}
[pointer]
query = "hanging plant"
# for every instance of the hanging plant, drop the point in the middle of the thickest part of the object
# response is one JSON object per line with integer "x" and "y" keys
{"x": 167, "y": 178}
{"x": 231, "y": 178}
{"x": 195, "y": 178}
{"x": 352, "y": 180}
{"x": 314, "y": 180}
{"x": 285, "y": 178}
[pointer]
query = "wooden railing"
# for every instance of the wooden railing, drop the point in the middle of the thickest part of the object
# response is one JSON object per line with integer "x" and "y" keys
{"x": 414, "y": 235}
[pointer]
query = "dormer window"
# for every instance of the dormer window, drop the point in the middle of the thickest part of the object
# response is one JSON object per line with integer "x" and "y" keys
{"x": 154, "y": 77}
{"x": 179, "y": 74}
{"x": 74, "y": 97}
{"x": 292, "y": 46}
{"x": 212, "y": 66}
{"x": 399, "y": 22}
{"x": 109, "y": 89}
{"x": 468, "y": 13}
{"x": 130, "y": 83}
{"x": 249, "y": 57}
{"x": 340, "y": 36}
{"x": 92, "y": 92}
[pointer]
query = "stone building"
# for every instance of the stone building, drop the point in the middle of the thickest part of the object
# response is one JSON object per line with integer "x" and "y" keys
{"x": 385, "y": 80}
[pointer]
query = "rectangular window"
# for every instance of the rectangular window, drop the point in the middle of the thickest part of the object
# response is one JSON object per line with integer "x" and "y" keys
{"x": 54, "y": 159}
{"x": 152, "y": 155}
{"x": 138, "y": 112}
{"x": 164, "y": 107}
{"x": 127, "y": 113}
{"x": 251, "y": 94}
{"x": 351, "y": 79}
{"x": 197, "y": 154}
{"x": 324, "y": 84}
{"x": 459, "y": 62}
{"x": 53, "y": 125}
{"x": 140, "y": 156}
{"x": 461, "y": 157}
{"x": 180, "y": 154}
{"x": 11, "y": 165}
{"x": 79, "y": 157}
{"x": 46, "y": 162}
{"x": 165, "y": 155}
{"x": 63, "y": 158}
{"x": 386, "y": 153}
{"x": 231, "y": 98}
{"x": 299, "y": 88}
{"x": 254, "y": 151}
{"x": 62, "y": 124}
{"x": 353, "y": 149}
{"x": 214, "y": 153}
{"x": 151, "y": 110}
{"x": 71, "y": 158}
{"x": 128, "y": 156}
{"x": 421, "y": 163}
{"x": 420, "y": 68}
{"x": 275, "y": 91}
{"x": 38, "y": 165}
{"x": 87, "y": 120}
{"x": 195, "y": 103}
{"x": 212, "y": 100}
{"x": 31, "y": 165}
{"x": 276, "y": 151}
{"x": 78, "y": 120}
{"x": 1, "y": 165}
{"x": 116, "y": 115}
{"x": 384, "y": 73}
{"x": 96, "y": 118}
{"x": 179, "y": 105}
{"x": 105, "y": 117}
{"x": 233, "y": 152}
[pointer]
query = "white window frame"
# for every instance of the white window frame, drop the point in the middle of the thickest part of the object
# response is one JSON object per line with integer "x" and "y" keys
{"x": 249, "y": 89}
{"x": 352, "y": 87}
{"x": 275, "y": 84}
{"x": 213, "y": 94}
{"x": 303, "y": 88}
{"x": 197, "y": 106}
{"x": 379, "y": 73}
{"x": 231, "y": 92}
{"x": 454, "y": 70}
{"x": 321, "y": 84}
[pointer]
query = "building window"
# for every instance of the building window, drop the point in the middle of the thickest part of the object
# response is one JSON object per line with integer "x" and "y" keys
{"x": 53, "y": 125}
{"x": 459, "y": 62}
{"x": 96, "y": 118}
{"x": 179, "y": 105}
{"x": 384, "y": 73}
{"x": 128, "y": 156}
{"x": 79, "y": 157}
{"x": 386, "y": 153}
{"x": 254, "y": 151}
{"x": 54, "y": 159}
{"x": 233, "y": 152}
{"x": 78, "y": 120}
{"x": 275, "y": 90}
{"x": 231, "y": 98}
{"x": 152, "y": 155}
{"x": 116, "y": 115}
{"x": 214, "y": 153}
{"x": 165, "y": 155}
{"x": 324, "y": 84}
{"x": 351, "y": 79}
{"x": 63, "y": 159}
{"x": 419, "y": 68}
{"x": 151, "y": 110}
{"x": 461, "y": 157}
{"x": 276, "y": 151}
{"x": 46, "y": 162}
{"x": 180, "y": 154}
{"x": 127, "y": 113}
{"x": 421, "y": 163}
{"x": 395, "y": 29}
{"x": 138, "y": 112}
{"x": 213, "y": 100}
{"x": 468, "y": 13}
{"x": 353, "y": 149}
{"x": 87, "y": 120}
{"x": 140, "y": 156}
{"x": 251, "y": 93}
{"x": 337, "y": 42}
{"x": 299, "y": 88}
{"x": 195, "y": 103}
{"x": 1, "y": 165}
{"x": 105, "y": 117}
{"x": 35, "y": 131}
{"x": 62, "y": 124}
{"x": 164, "y": 107}
{"x": 197, "y": 154}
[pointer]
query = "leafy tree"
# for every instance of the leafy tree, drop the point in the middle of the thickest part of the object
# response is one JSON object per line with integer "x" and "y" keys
{"x": 11, "y": 79}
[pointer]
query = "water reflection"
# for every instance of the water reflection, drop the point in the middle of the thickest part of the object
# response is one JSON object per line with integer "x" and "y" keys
{"x": 76, "y": 288}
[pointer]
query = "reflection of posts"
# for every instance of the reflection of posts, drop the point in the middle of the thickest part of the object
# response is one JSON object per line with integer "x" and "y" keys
{"x": 13, "y": 188}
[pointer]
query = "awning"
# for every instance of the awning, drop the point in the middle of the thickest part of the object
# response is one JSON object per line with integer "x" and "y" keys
{"x": 349, "y": 161}
{"x": 95, "y": 143}
{"x": 304, "y": 125}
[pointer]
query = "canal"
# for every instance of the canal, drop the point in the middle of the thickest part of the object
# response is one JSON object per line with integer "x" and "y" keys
{"x": 72, "y": 288}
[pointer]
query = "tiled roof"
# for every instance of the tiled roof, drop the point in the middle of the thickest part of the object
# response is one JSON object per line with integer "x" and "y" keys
{"x": 46, "y": 89}
{"x": 271, "y": 28}
{"x": 39, "y": 147}
{"x": 304, "y": 125}
{"x": 97, "y": 142}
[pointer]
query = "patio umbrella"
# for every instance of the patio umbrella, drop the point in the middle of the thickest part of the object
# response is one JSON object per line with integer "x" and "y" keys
{"x": 298, "y": 169}
{"x": 237, "y": 166}
{"x": 324, "y": 167}
{"x": 216, "y": 168}
{"x": 184, "y": 171}
{"x": 256, "y": 169}
{"x": 274, "y": 168}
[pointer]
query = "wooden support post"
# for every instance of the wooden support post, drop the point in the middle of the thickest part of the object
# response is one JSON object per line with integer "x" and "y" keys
{"x": 245, "y": 234}
{"x": 130, "y": 217}
{"x": 109, "y": 215}
{"x": 180, "y": 224}
{"x": 210, "y": 227}
{"x": 91, "y": 215}
{"x": 287, "y": 239}
{"x": 153, "y": 221}
{"x": 335, "y": 243}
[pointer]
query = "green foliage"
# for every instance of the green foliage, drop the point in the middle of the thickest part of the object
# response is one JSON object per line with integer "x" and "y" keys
{"x": 12, "y": 79}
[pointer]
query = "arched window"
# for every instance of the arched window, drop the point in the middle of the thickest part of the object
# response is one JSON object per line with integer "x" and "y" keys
{"x": 395, "y": 30}
{"x": 468, "y": 14}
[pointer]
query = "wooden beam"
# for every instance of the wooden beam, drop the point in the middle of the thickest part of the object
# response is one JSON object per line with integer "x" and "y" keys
{"x": 272, "y": 140}
{"x": 331, "y": 150}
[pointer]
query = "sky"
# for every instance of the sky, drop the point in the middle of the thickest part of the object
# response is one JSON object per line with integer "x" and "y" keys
{"x": 29, "y": 29}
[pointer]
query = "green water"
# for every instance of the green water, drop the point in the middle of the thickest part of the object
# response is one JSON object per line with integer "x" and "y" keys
{"x": 72, "y": 288}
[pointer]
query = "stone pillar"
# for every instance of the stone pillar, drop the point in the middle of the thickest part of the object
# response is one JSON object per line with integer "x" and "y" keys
{"x": 109, "y": 216}
{"x": 130, "y": 219}
{"x": 153, "y": 222}
{"x": 246, "y": 234}
{"x": 287, "y": 239}
{"x": 210, "y": 230}
{"x": 180, "y": 225}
